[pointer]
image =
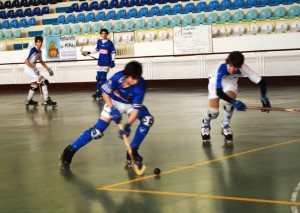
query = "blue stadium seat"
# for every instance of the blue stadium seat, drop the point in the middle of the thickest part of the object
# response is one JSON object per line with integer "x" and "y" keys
{"x": 175, "y": 21}
{"x": 1, "y": 6}
{"x": 75, "y": 29}
{"x": 17, "y": 33}
{"x": 225, "y": 17}
{"x": 286, "y": 2}
{"x": 143, "y": 12}
{"x": 173, "y": 1}
{"x": 133, "y": 3}
{"x": 187, "y": 20}
{"x": 55, "y": 30}
{"x": 1, "y": 35}
{"x": 14, "y": 23}
{"x": 276, "y": 2}
{"x": 19, "y": 13}
{"x": 165, "y": 10}
{"x": 225, "y": 4}
{"x": 36, "y": 11}
{"x": 31, "y": 22}
{"x": 46, "y": 31}
{"x": 96, "y": 28}
{"x": 132, "y": 13}
{"x": 237, "y": 16}
{"x": 3, "y": 14}
{"x": 153, "y": 2}
{"x": 7, "y": 5}
{"x": 45, "y": 10}
{"x": 201, "y": 6}
{"x": 124, "y": 3}
{"x": 251, "y": 15}
{"x": 83, "y": 7}
{"x": 199, "y": 19}
{"x": 66, "y": 30}
{"x": 212, "y": 18}
{"x": 71, "y": 18}
{"x": 33, "y": 2}
{"x": 80, "y": 18}
{"x": 110, "y": 15}
{"x": 15, "y": 4}
{"x": 154, "y": 11}
{"x": 162, "y": 1}
{"x": 121, "y": 14}
{"x": 90, "y": 17}
{"x": 263, "y": 3}
{"x": 237, "y": 4}
{"x": 177, "y": 9}
{"x": 144, "y": 2}
{"x": 5, "y": 24}
{"x": 152, "y": 23}
{"x": 100, "y": 16}
{"x": 93, "y": 6}
{"x": 279, "y": 13}
{"x": 8, "y": 34}
{"x": 24, "y": 3}
{"x": 86, "y": 28}
{"x": 265, "y": 14}
{"x": 23, "y": 22}
{"x": 250, "y": 3}
{"x": 27, "y": 12}
{"x": 73, "y": 8}
{"x": 104, "y": 5}
{"x": 141, "y": 24}
{"x": 61, "y": 19}
{"x": 108, "y": 26}
{"x": 163, "y": 22}
{"x": 114, "y": 4}
{"x": 188, "y": 8}
{"x": 10, "y": 14}
{"x": 293, "y": 12}
{"x": 129, "y": 26}
{"x": 213, "y": 5}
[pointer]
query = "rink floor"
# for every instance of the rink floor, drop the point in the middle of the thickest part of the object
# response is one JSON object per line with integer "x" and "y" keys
{"x": 260, "y": 173}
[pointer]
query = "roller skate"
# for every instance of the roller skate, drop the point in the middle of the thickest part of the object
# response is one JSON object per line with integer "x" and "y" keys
{"x": 31, "y": 102}
{"x": 228, "y": 135}
{"x": 66, "y": 158}
{"x": 97, "y": 96}
{"x": 137, "y": 158}
{"x": 50, "y": 103}
{"x": 205, "y": 128}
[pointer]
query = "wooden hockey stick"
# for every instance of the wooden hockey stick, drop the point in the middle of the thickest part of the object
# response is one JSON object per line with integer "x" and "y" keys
{"x": 274, "y": 109}
{"x": 81, "y": 51}
{"x": 40, "y": 90}
{"x": 137, "y": 170}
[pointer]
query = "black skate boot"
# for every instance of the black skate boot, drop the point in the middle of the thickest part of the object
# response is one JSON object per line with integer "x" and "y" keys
{"x": 66, "y": 157}
{"x": 31, "y": 102}
{"x": 137, "y": 158}
{"x": 97, "y": 95}
{"x": 49, "y": 102}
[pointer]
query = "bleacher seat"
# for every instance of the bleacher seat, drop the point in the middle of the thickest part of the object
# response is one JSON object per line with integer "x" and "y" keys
{"x": 14, "y": 23}
{"x": 10, "y": 14}
{"x": 90, "y": 17}
{"x": 295, "y": 26}
{"x": 110, "y": 15}
{"x": 239, "y": 30}
{"x": 61, "y": 19}
{"x": 144, "y": 2}
{"x": 31, "y": 22}
{"x": 100, "y": 16}
{"x": 55, "y": 30}
{"x": 152, "y": 23}
{"x": 121, "y": 14}
{"x": 154, "y": 11}
{"x": 276, "y": 2}
{"x": 225, "y": 31}
{"x": 163, "y": 22}
{"x": 188, "y": 8}
{"x": 251, "y": 15}
{"x": 24, "y": 3}
{"x": 7, "y": 4}
{"x": 165, "y": 10}
{"x": 214, "y": 31}
{"x": 1, "y": 5}
{"x": 238, "y": 16}
{"x": 129, "y": 25}
{"x": 187, "y": 20}
{"x": 225, "y": 17}
{"x": 94, "y": 40}
{"x": 142, "y": 12}
{"x": 73, "y": 8}
{"x": 107, "y": 25}
{"x": 36, "y": 11}
{"x": 33, "y": 2}
{"x": 80, "y": 18}
{"x": 103, "y": 5}
{"x": 15, "y": 4}
{"x": 45, "y": 10}
{"x": 46, "y": 31}
{"x": 75, "y": 29}
{"x": 162, "y": 35}
{"x": 172, "y": 1}
{"x": 27, "y": 12}
{"x": 17, "y": 33}
{"x": 132, "y": 13}
{"x": 93, "y": 6}
{"x": 150, "y": 36}
{"x": 1, "y": 35}
{"x": 3, "y": 14}
{"x": 267, "y": 28}
{"x": 250, "y": 3}
{"x": 281, "y": 27}
{"x": 8, "y": 34}
{"x": 199, "y": 19}
{"x": 141, "y": 24}
{"x": 279, "y": 13}
{"x": 201, "y": 6}
{"x": 288, "y": 2}
{"x": 19, "y": 13}
{"x": 265, "y": 14}
{"x": 86, "y": 28}
{"x": 71, "y": 18}
{"x": 96, "y": 28}
{"x": 293, "y": 12}
{"x": 83, "y": 7}
{"x": 133, "y": 3}
{"x": 127, "y": 37}
{"x": 117, "y": 38}
{"x": 253, "y": 28}
{"x": 175, "y": 21}
{"x": 114, "y": 4}
{"x": 23, "y": 22}
{"x": 2, "y": 46}
{"x": 124, "y": 3}
{"x": 225, "y": 4}
{"x": 140, "y": 37}
{"x": 177, "y": 8}
{"x": 263, "y": 3}
{"x": 66, "y": 30}
{"x": 5, "y": 24}
{"x": 212, "y": 18}
{"x": 213, "y": 5}
{"x": 237, "y": 4}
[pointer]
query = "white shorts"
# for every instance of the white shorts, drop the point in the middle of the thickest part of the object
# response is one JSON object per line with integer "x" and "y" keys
{"x": 228, "y": 85}
{"x": 123, "y": 108}
{"x": 31, "y": 74}
{"x": 103, "y": 68}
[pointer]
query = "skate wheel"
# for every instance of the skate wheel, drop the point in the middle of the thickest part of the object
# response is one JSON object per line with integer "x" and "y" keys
{"x": 127, "y": 164}
{"x": 228, "y": 143}
{"x": 206, "y": 143}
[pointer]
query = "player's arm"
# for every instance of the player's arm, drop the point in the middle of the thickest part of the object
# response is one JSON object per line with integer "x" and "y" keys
{"x": 29, "y": 64}
{"x": 113, "y": 55}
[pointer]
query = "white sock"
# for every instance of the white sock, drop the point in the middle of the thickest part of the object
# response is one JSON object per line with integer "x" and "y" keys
{"x": 45, "y": 92}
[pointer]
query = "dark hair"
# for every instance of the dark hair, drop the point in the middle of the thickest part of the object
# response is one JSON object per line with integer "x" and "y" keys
{"x": 104, "y": 30}
{"x": 236, "y": 58}
{"x": 133, "y": 69}
{"x": 38, "y": 38}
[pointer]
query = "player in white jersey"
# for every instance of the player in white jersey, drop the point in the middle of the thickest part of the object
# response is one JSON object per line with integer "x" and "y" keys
{"x": 36, "y": 78}
{"x": 223, "y": 84}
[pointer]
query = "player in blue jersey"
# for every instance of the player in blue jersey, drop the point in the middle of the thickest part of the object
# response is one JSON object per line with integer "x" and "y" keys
{"x": 123, "y": 93}
{"x": 107, "y": 55}
{"x": 223, "y": 84}
{"x": 36, "y": 78}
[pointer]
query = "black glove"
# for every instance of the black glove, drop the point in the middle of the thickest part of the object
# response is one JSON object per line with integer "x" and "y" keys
{"x": 126, "y": 131}
{"x": 240, "y": 106}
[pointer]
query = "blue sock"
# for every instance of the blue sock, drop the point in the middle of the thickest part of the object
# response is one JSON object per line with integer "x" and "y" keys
{"x": 86, "y": 137}
{"x": 139, "y": 136}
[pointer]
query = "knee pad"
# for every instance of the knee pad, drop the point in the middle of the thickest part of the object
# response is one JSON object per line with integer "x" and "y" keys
{"x": 228, "y": 107}
{"x": 148, "y": 120}
{"x": 213, "y": 114}
{"x": 44, "y": 82}
{"x": 34, "y": 87}
{"x": 96, "y": 133}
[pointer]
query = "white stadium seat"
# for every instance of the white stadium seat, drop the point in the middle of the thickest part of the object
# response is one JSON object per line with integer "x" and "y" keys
{"x": 267, "y": 28}
{"x": 225, "y": 30}
{"x": 150, "y": 36}
{"x": 239, "y": 30}
{"x": 253, "y": 28}
{"x": 2, "y": 46}
{"x": 140, "y": 36}
{"x": 126, "y": 38}
{"x": 214, "y": 31}
{"x": 281, "y": 27}
{"x": 162, "y": 35}
{"x": 295, "y": 26}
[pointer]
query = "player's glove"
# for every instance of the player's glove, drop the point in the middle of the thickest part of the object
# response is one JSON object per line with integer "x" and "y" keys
{"x": 115, "y": 115}
{"x": 265, "y": 103}
{"x": 112, "y": 64}
{"x": 240, "y": 106}
{"x": 51, "y": 73}
{"x": 37, "y": 72}
{"x": 85, "y": 53}
{"x": 126, "y": 131}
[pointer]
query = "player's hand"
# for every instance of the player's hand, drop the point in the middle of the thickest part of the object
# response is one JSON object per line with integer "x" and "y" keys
{"x": 115, "y": 115}
{"x": 126, "y": 131}
{"x": 112, "y": 64}
{"x": 37, "y": 72}
{"x": 240, "y": 106}
{"x": 51, "y": 73}
{"x": 85, "y": 53}
{"x": 265, "y": 103}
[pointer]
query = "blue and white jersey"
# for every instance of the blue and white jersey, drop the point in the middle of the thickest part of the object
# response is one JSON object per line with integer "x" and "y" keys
{"x": 34, "y": 56}
{"x": 106, "y": 51}
{"x": 131, "y": 95}
{"x": 221, "y": 73}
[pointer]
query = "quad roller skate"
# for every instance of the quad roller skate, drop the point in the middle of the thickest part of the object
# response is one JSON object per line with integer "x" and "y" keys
{"x": 228, "y": 135}
{"x": 137, "y": 158}
{"x": 49, "y": 103}
{"x": 66, "y": 158}
{"x": 205, "y": 133}
{"x": 31, "y": 102}
{"x": 97, "y": 96}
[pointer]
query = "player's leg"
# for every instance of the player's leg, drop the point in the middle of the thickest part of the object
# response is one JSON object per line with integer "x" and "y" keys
{"x": 32, "y": 90}
{"x": 212, "y": 113}
{"x": 228, "y": 112}
{"x": 44, "y": 84}
{"x": 101, "y": 77}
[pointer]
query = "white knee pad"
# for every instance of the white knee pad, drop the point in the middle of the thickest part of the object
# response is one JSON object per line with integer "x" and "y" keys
{"x": 228, "y": 107}
{"x": 148, "y": 120}
{"x": 96, "y": 133}
{"x": 213, "y": 113}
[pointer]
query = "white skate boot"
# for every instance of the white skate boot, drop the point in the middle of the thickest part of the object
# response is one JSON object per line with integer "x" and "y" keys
{"x": 227, "y": 132}
{"x": 205, "y": 133}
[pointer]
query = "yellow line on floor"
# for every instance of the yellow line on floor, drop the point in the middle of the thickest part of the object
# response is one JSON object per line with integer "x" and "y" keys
{"x": 206, "y": 196}
{"x": 200, "y": 164}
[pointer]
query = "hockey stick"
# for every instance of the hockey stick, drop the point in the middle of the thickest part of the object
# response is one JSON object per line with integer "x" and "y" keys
{"x": 137, "y": 170}
{"x": 81, "y": 51}
{"x": 40, "y": 89}
{"x": 274, "y": 109}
